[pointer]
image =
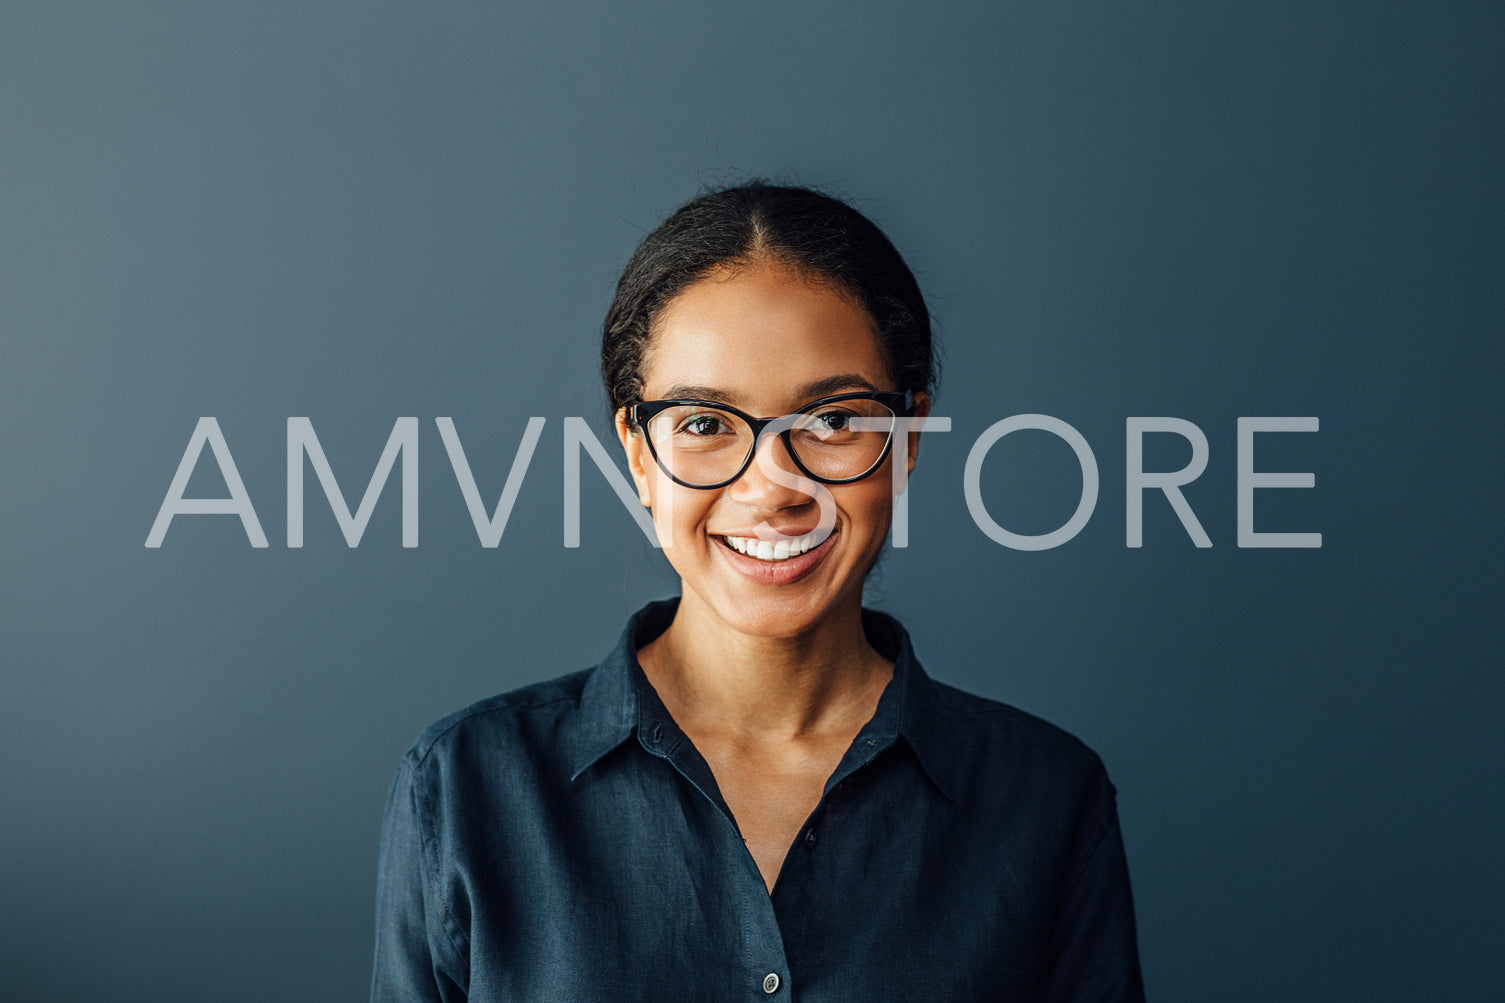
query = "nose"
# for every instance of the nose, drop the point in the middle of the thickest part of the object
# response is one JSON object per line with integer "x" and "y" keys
{"x": 772, "y": 481}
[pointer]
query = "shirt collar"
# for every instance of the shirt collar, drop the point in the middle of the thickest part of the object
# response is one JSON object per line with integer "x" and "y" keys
{"x": 618, "y": 700}
{"x": 911, "y": 704}
{"x": 609, "y": 703}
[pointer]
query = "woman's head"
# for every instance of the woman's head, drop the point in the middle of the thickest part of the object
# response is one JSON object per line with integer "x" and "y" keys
{"x": 813, "y": 234}
{"x": 748, "y": 304}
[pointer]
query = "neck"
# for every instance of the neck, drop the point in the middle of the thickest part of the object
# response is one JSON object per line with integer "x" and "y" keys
{"x": 715, "y": 679}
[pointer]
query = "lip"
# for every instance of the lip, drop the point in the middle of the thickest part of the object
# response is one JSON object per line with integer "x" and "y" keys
{"x": 784, "y": 572}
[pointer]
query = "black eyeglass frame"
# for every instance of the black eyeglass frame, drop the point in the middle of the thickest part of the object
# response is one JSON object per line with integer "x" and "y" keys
{"x": 901, "y": 403}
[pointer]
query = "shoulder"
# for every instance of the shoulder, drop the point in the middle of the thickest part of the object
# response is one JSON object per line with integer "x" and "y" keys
{"x": 533, "y": 716}
{"x": 980, "y": 737}
{"x": 998, "y": 746}
{"x": 1004, "y": 722}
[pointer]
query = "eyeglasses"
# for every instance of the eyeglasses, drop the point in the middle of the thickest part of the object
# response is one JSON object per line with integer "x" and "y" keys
{"x": 834, "y": 440}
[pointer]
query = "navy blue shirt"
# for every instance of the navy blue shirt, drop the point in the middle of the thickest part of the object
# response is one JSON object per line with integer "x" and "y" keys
{"x": 567, "y": 842}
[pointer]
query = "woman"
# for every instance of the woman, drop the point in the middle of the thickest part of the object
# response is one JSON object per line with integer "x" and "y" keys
{"x": 760, "y": 793}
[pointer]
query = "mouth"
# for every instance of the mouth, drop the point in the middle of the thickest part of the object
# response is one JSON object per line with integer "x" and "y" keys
{"x": 775, "y": 562}
{"x": 782, "y": 550}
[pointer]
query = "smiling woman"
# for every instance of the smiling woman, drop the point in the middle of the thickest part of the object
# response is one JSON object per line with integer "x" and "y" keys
{"x": 760, "y": 793}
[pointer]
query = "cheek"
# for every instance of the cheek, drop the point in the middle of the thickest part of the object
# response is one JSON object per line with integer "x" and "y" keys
{"x": 678, "y": 512}
{"x": 870, "y": 506}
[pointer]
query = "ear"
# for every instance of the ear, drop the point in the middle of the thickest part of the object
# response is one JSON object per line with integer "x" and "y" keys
{"x": 639, "y": 462}
{"x": 921, "y": 410}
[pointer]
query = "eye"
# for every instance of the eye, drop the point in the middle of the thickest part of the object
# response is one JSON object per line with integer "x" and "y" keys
{"x": 703, "y": 424}
{"x": 834, "y": 419}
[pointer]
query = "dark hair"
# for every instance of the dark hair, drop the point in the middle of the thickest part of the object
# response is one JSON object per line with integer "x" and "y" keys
{"x": 811, "y": 232}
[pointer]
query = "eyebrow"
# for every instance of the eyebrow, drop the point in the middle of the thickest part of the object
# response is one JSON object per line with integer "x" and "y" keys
{"x": 809, "y": 392}
{"x": 836, "y": 384}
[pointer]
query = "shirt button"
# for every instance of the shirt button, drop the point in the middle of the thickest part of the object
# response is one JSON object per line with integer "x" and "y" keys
{"x": 810, "y": 838}
{"x": 771, "y": 983}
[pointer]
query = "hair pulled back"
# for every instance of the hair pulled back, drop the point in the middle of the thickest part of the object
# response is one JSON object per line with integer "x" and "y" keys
{"x": 817, "y": 235}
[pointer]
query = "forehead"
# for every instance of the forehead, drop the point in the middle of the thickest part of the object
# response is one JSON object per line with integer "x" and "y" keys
{"x": 760, "y": 334}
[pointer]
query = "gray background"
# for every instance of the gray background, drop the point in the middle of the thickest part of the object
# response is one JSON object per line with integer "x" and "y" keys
{"x": 356, "y": 211}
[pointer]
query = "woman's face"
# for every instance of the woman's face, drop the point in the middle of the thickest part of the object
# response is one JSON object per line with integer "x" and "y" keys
{"x": 767, "y": 341}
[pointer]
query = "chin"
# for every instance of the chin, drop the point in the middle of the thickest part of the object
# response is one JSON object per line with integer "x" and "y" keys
{"x": 773, "y": 615}
{"x": 773, "y": 625}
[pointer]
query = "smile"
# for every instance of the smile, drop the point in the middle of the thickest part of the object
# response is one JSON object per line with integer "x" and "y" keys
{"x": 765, "y": 550}
{"x": 776, "y": 562}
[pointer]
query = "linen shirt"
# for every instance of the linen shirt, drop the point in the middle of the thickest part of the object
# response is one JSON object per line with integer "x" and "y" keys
{"x": 566, "y": 841}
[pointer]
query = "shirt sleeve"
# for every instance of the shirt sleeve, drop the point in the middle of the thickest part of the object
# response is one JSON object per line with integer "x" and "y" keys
{"x": 1094, "y": 954}
{"x": 410, "y": 936}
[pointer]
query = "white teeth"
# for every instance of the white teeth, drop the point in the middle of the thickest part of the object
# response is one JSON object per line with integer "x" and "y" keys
{"x": 765, "y": 550}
